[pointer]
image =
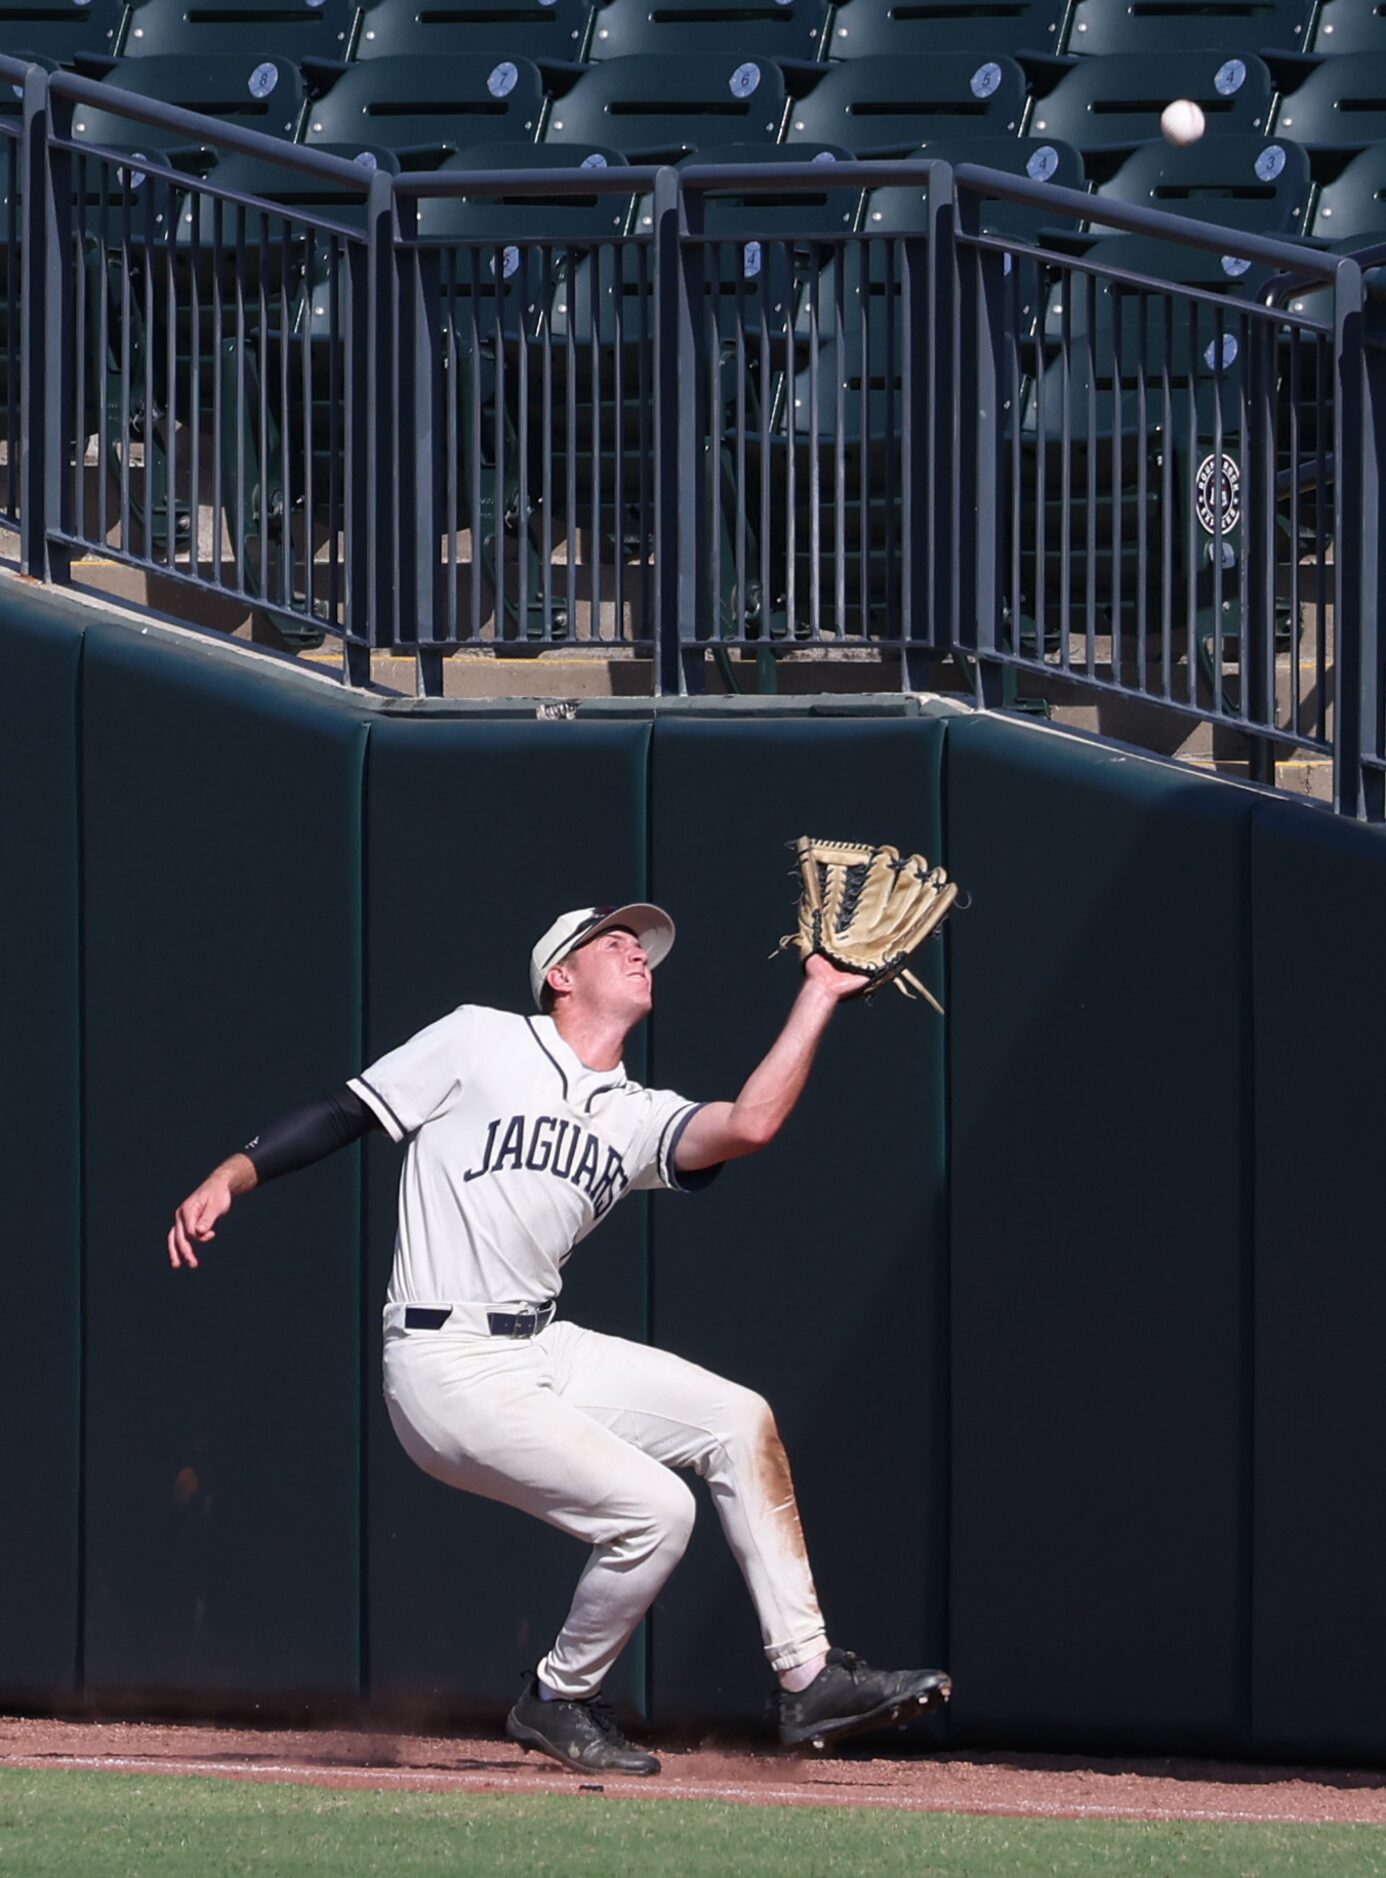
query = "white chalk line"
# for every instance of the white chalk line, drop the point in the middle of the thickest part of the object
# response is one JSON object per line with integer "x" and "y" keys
{"x": 475, "y": 1780}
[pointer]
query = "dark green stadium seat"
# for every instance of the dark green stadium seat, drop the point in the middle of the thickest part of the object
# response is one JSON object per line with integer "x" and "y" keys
{"x": 1098, "y": 28}
{"x": 1348, "y": 215}
{"x": 1352, "y": 208}
{"x": 1338, "y": 109}
{"x": 1038, "y": 159}
{"x": 542, "y": 30}
{"x": 925, "y": 28}
{"x": 1104, "y": 107}
{"x": 833, "y": 462}
{"x": 1348, "y": 26}
{"x": 533, "y": 292}
{"x": 212, "y": 217}
{"x": 131, "y": 213}
{"x": 522, "y": 215}
{"x": 748, "y": 29}
{"x": 261, "y": 94}
{"x": 657, "y": 109}
{"x": 761, "y": 247}
{"x": 1260, "y": 185}
{"x": 425, "y": 109}
{"x": 53, "y": 32}
{"x": 1126, "y": 406}
{"x": 257, "y": 29}
{"x": 837, "y": 455}
{"x": 747, "y": 210}
{"x": 224, "y": 312}
{"x": 271, "y": 293}
{"x": 888, "y": 107}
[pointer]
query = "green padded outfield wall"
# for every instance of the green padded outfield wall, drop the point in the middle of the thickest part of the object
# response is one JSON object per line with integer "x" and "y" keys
{"x": 1100, "y": 1049}
{"x": 221, "y": 833}
{"x": 478, "y": 835}
{"x": 40, "y": 1102}
{"x": 1066, "y": 1306}
{"x": 1319, "y": 897}
{"x": 814, "y": 1272}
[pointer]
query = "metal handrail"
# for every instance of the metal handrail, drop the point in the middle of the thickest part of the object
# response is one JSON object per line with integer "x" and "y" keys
{"x": 1133, "y": 218}
{"x": 711, "y": 439}
{"x": 612, "y": 180}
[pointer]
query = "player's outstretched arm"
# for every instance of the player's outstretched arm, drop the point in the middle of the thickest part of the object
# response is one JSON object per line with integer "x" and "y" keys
{"x": 725, "y": 1131}
{"x": 297, "y": 1141}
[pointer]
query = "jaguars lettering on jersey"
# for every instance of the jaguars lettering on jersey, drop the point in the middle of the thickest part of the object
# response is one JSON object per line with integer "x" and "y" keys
{"x": 549, "y": 1145}
{"x": 515, "y": 1150}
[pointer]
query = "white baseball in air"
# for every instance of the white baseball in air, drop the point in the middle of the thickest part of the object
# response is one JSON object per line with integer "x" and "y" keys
{"x": 1183, "y": 121}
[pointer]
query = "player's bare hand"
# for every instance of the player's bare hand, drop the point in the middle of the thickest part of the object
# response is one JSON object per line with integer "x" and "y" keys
{"x": 823, "y": 973}
{"x": 195, "y": 1221}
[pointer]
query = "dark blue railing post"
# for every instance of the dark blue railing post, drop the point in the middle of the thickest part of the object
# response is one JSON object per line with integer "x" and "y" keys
{"x": 30, "y": 181}
{"x": 975, "y": 485}
{"x": 1371, "y": 680}
{"x": 1357, "y": 787}
{"x": 680, "y": 495}
{"x": 1360, "y": 782}
{"x": 418, "y": 299}
{"x": 1258, "y": 469}
{"x": 929, "y": 282}
{"x": 372, "y": 490}
{"x": 46, "y": 326}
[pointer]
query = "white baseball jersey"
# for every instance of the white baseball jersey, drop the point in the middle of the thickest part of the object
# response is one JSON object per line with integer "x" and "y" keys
{"x": 516, "y": 1150}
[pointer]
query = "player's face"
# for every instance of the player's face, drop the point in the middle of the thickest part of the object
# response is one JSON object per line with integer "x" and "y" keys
{"x": 611, "y": 974}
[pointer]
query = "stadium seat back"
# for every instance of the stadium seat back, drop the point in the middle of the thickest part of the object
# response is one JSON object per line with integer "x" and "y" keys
{"x": 1098, "y": 28}
{"x": 210, "y": 218}
{"x": 765, "y": 29}
{"x": 1340, "y": 106}
{"x": 1348, "y": 26}
{"x": 1116, "y": 101}
{"x": 499, "y": 260}
{"x": 258, "y": 29}
{"x": 1353, "y": 206}
{"x": 490, "y": 29}
{"x": 53, "y": 32}
{"x": 904, "y": 209}
{"x": 1258, "y": 184}
{"x": 760, "y": 244}
{"x": 1122, "y": 330}
{"x": 751, "y": 210}
{"x": 661, "y": 108}
{"x": 264, "y": 95}
{"x": 520, "y": 215}
{"x": 889, "y": 106}
{"x": 894, "y": 28}
{"x": 427, "y": 108}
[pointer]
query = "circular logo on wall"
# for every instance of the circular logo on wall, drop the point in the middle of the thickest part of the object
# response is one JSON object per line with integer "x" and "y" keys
{"x": 1218, "y": 494}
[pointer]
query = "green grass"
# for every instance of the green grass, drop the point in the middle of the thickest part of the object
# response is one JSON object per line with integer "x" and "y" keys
{"x": 68, "y": 1825}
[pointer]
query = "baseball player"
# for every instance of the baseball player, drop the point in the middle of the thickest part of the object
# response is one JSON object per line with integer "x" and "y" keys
{"x": 521, "y": 1133}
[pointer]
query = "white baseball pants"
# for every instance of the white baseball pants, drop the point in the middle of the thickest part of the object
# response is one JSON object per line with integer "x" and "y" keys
{"x": 582, "y": 1430}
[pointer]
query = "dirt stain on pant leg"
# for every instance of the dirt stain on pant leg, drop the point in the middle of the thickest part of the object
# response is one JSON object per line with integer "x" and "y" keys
{"x": 777, "y": 1484}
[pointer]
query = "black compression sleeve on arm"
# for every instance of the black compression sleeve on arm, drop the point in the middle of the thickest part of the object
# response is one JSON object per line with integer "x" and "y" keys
{"x": 309, "y": 1134}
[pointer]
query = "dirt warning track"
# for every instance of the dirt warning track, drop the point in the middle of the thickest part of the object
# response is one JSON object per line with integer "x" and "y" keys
{"x": 1033, "y": 1786}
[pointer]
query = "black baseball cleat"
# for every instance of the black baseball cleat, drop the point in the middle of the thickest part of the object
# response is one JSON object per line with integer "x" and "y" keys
{"x": 582, "y": 1735}
{"x": 848, "y": 1697}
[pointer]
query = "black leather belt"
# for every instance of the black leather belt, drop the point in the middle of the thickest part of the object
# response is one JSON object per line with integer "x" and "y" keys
{"x": 522, "y": 1323}
{"x": 500, "y": 1323}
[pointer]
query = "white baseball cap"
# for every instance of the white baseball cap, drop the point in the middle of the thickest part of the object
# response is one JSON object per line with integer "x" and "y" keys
{"x": 651, "y": 925}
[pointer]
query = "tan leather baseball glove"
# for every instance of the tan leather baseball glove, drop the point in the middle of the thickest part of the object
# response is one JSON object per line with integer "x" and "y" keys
{"x": 866, "y": 909}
